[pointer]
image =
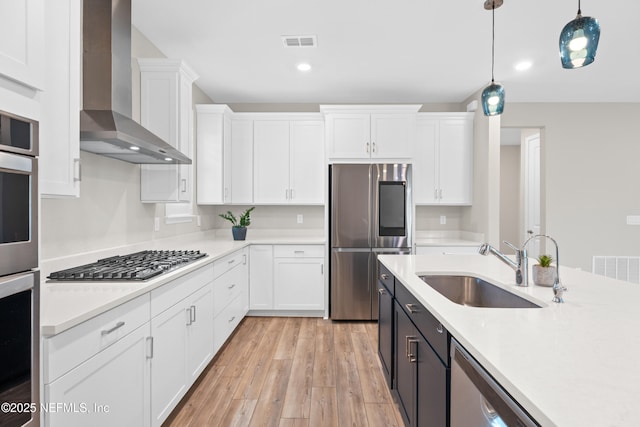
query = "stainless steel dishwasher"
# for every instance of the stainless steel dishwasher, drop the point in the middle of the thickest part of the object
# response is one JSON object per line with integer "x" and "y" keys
{"x": 477, "y": 400}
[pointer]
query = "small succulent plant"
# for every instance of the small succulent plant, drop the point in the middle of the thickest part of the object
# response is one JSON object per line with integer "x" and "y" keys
{"x": 545, "y": 260}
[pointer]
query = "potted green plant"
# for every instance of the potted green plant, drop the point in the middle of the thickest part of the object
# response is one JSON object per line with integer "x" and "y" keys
{"x": 239, "y": 226}
{"x": 544, "y": 274}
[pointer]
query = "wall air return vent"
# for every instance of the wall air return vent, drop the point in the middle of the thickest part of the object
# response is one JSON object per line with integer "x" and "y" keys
{"x": 618, "y": 267}
{"x": 300, "y": 41}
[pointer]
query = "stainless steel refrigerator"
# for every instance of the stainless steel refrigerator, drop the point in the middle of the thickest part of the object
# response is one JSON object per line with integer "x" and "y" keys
{"x": 370, "y": 207}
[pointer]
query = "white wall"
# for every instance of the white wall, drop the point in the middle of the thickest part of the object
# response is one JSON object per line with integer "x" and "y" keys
{"x": 591, "y": 176}
{"x": 510, "y": 199}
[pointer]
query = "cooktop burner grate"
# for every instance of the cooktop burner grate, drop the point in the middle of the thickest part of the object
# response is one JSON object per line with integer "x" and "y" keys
{"x": 137, "y": 266}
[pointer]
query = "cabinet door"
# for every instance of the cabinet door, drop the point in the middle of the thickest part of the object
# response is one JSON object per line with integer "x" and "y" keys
{"x": 307, "y": 162}
{"x": 392, "y": 135}
{"x": 110, "y": 389}
{"x": 166, "y": 110}
{"x": 169, "y": 363}
{"x": 405, "y": 367}
{"x": 22, "y": 41}
{"x": 348, "y": 136}
{"x": 431, "y": 404}
{"x": 271, "y": 161}
{"x": 261, "y": 277}
{"x": 200, "y": 331}
{"x": 385, "y": 331}
{"x": 456, "y": 161}
{"x": 425, "y": 170}
{"x": 298, "y": 284}
{"x": 210, "y": 136}
{"x": 60, "y": 122}
{"x": 242, "y": 161}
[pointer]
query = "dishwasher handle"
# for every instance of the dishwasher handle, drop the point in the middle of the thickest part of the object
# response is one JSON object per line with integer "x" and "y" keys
{"x": 495, "y": 398}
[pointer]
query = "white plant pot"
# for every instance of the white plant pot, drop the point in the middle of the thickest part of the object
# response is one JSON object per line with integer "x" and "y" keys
{"x": 544, "y": 276}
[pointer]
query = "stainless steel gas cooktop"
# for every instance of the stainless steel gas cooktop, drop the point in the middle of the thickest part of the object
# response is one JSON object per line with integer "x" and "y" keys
{"x": 136, "y": 266}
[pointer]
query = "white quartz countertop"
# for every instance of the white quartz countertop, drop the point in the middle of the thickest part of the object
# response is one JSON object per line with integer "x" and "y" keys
{"x": 67, "y": 304}
{"x": 570, "y": 364}
{"x": 446, "y": 242}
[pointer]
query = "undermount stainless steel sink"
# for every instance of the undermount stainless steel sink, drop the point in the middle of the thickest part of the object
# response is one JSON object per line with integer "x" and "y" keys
{"x": 475, "y": 292}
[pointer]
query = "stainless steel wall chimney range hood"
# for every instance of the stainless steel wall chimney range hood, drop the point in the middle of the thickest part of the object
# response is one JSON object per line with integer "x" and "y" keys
{"x": 106, "y": 127}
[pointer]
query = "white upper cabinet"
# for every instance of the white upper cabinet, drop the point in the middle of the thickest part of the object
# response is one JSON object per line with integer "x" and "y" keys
{"x": 60, "y": 101}
{"x": 370, "y": 132}
{"x": 288, "y": 161}
{"x": 242, "y": 161}
{"x": 213, "y": 158}
{"x": 166, "y": 110}
{"x": 443, "y": 161}
{"x": 22, "y": 53}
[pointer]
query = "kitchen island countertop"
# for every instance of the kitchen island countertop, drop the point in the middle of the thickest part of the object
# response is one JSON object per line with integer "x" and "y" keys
{"x": 568, "y": 364}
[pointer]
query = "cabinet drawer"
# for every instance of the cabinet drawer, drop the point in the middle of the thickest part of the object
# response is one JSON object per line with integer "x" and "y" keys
{"x": 426, "y": 323}
{"x": 168, "y": 295}
{"x": 226, "y": 288}
{"x": 226, "y": 263}
{"x": 72, "y": 347}
{"x": 225, "y": 323}
{"x": 298, "y": 251}
{"x": 386, "y": 278}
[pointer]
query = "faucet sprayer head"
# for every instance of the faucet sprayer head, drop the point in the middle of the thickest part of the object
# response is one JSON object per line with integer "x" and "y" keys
{"x": 484, "y": 249}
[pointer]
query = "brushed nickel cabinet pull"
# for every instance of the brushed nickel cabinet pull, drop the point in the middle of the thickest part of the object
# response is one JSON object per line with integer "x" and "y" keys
{"x": 381, "y": 291}
{"x": 78, "y": 177}
{"x": 440, "y": 329}
{"x": 411, "y": 308}
{"x": 384, "y": 276}
{"x": 149, "y": 347}
{"x": 108, "y": 331}
{"x": 412, "y": 357}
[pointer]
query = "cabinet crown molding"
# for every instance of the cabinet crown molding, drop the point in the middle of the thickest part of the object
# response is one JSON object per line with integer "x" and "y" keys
{"x": 389, "y": 108}
{"x": 168, "y": 64}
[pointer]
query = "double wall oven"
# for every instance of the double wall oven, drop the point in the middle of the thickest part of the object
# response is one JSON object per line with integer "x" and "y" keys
{"x": 19, "y": 278}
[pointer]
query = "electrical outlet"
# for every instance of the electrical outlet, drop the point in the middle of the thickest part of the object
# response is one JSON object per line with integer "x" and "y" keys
{"x": 156, "y": 224}
{"x": 300, "y": 219}
{"x": 443, "y": 219}
{"x": 633, "y": 219}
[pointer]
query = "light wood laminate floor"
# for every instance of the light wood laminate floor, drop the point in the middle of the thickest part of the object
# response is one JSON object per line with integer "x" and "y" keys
{"x": 292, "y": 372}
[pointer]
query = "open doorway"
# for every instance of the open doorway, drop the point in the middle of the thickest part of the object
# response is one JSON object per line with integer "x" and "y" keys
{"x": 520, "y": 196}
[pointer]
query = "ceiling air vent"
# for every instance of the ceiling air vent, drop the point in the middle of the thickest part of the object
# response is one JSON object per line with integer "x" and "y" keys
{"x": 300, "y": 41}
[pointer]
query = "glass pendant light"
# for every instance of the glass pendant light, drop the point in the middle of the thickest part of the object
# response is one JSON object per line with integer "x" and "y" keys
{"x": 493, "y": 95}
{"x": 579, "y": 41}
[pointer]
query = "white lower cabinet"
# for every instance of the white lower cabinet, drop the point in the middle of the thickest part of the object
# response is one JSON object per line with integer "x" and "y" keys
{"x": 230, "y": 290}
{"x": 298, "y": 273}
{"x": 182, "y": 331}
{"x": 261, "y": 277}
{"x": 287, "y": 278}
{"x": 110, "y": 389}
{"x": 85, "y": 367}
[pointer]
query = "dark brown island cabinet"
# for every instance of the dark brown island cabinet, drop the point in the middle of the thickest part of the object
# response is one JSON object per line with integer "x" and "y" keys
{"x": 413, "y": 347}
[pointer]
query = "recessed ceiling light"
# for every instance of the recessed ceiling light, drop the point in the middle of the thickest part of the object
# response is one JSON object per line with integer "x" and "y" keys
{"x": 523, "y": 65}
{"x": 134, "y": 148}
{"x": 303, "y": 66}
{"x": 168, "y": 159}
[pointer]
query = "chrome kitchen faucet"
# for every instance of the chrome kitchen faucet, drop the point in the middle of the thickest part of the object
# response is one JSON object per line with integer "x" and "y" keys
{"x": 520, "y": 265}
{"x": 558, "y": 288}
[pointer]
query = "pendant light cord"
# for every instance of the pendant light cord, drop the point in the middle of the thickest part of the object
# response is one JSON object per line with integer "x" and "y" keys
{"x": 579, "y": 11}
{"x": 493, "y": 36}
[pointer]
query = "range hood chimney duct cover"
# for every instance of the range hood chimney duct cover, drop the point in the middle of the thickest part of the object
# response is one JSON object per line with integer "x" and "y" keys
{"x": 106, "y": 127}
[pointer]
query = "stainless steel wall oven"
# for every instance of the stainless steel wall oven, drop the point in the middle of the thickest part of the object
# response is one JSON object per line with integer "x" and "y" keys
{"x": 19, "y": 278}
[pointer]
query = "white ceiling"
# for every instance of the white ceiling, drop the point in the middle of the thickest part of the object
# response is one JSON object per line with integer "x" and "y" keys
{"x": 392, "y": 51}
